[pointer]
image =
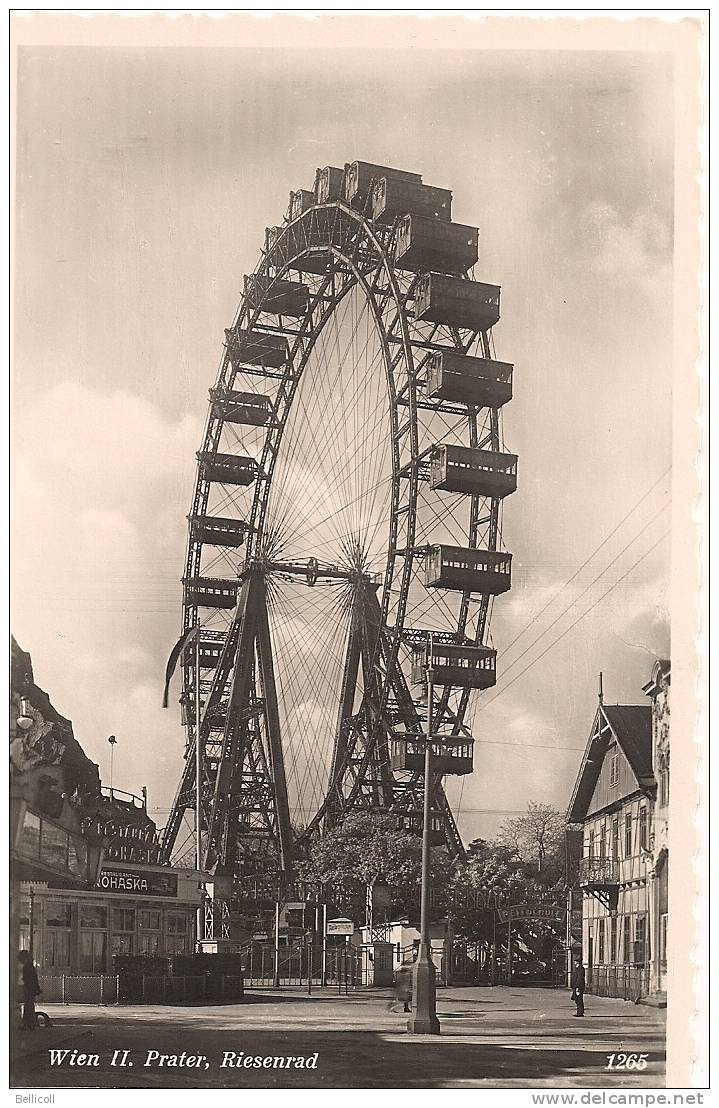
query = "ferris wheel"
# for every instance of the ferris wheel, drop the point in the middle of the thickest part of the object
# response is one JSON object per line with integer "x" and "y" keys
{"x": 345, "y": 528}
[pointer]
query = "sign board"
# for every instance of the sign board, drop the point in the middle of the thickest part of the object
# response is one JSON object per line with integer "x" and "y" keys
{"x": 137, "y": 882}
{"x": 381, "y": 896}
{"x": 531, "y": 911}
{"x": 340, "y": 927}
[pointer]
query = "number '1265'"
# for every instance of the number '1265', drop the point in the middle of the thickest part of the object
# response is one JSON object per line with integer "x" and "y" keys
{"x": 627, "y": 1061}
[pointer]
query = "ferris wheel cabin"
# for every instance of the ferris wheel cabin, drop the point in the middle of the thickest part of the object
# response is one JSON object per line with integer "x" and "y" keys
{"x": 255, "y": 348}
{"x": 452, "y": 754}
{"x": 465, "y": 469}
{"x": 218, "y": 530}
{"x": 465, "y": 570}
{"x": 477, "y": 381}
{"x": 210, "y": 592}
{"x": 414, "y": 822}
{"x": 210, "y": 648}
{"x": 467, "y": 667}
{"x": 392, "y": 197}
{"x": 277, "y": 297}
{"x": 329, "y": 184}
{"x": 458, "y": 303}
{"x": 227, "y": 469}
{"x": 300, "y": 201}
{"x": 250, "y": 408}
{"x": 359, "y": 177}
{"x": 425, "y": 243}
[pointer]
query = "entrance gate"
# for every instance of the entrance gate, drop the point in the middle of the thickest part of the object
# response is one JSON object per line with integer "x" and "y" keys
{"x": 302, "y": 964}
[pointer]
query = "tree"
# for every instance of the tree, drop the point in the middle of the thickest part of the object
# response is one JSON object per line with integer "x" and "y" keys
{"x": 537, "y": 837}
{"x": 370, "y": 849}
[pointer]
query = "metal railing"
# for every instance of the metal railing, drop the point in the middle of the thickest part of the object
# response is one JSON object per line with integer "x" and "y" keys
{"x": 626, "y": 982}
{"x": 80, "y": 989}
{"x": 140, "y": 988}
{"x": 125, "y": 797}
{"x": 598, "y": 871}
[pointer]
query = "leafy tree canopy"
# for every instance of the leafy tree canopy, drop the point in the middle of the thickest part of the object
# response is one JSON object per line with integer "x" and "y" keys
{"x": 369, "y": 849}
{"x": 536, "y": 837}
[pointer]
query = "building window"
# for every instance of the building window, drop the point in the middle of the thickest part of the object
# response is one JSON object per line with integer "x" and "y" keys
{"x": 640, "y": 940}
{"x": 176, "y": 923}
{"x": 615, "y": 838}
{"x": 591, "y": 844}
{"x": 613, "y": 940}
{"x": 600, "y": 942}
{"x": 663, "y": 781}
{"x": 627, "y": 940}
{"x": 643, "y": 837}
{"x": 628, "y": 835}
{"x": 176, "y": 944}
{"x": 663, "y": 921}
{"x": 602, "y": 844}
{"x": 57, "y": 948}
{"x": 58, "y": 913}
{"x": 176, "y": 940}
{"x": 149, "y": 943}
{"x": 93, "y": 915}
{"x": 93, "y": 947}
{"x": 149, "y": 919}
{"x": 123, "y": 919}
{"x": 122, "y": 944}
{"x": 614, "y": 770}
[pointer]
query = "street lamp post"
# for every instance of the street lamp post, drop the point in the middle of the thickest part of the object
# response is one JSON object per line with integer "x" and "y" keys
{"x": 423, "y": 1020}
{"x": 198, "y": 760}
{"x": 112, "y": 741}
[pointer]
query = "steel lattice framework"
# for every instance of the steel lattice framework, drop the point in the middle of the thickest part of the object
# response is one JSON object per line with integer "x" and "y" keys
{"x": 333, "y": 468}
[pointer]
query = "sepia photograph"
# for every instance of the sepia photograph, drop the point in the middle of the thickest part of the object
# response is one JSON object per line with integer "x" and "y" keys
{"x": 355, "y": 567}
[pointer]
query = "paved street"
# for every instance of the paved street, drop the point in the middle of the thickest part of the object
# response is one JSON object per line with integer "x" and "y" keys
{"x": 498, "y": 1037}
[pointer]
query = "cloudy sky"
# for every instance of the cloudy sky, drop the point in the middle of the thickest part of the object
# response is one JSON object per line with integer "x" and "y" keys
{"x": 145, "y": 179}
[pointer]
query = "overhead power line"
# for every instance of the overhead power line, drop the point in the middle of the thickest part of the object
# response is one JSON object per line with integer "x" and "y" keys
{"x": 584, "y": 592}
{"x": 587, "y": 560}
{"x": 577, "y": 620}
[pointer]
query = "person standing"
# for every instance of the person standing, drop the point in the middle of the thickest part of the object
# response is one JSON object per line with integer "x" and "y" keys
{"x": 403, "y": 987}
{"x": 30, "y": 989}
{"x": 579, "y": 981}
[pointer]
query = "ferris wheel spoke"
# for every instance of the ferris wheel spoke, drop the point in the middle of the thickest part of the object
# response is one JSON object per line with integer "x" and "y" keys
{"x": 327, "y": 385}
{"x": 302, "y": 667}
{"x": 342, "y": 467}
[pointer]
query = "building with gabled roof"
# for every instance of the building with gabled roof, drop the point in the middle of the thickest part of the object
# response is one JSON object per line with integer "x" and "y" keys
{"x": 613, "y": 898}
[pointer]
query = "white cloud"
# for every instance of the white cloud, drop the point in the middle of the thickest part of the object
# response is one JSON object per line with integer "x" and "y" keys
{"x": 636, "y": 250}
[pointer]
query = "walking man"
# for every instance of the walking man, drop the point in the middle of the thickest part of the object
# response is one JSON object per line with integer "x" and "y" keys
{"x": 578, "y": 983}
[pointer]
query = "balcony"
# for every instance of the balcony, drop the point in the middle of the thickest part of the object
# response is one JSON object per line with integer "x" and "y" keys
{"x": 599, "y": 877}
{"x": 598, "y": 872}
